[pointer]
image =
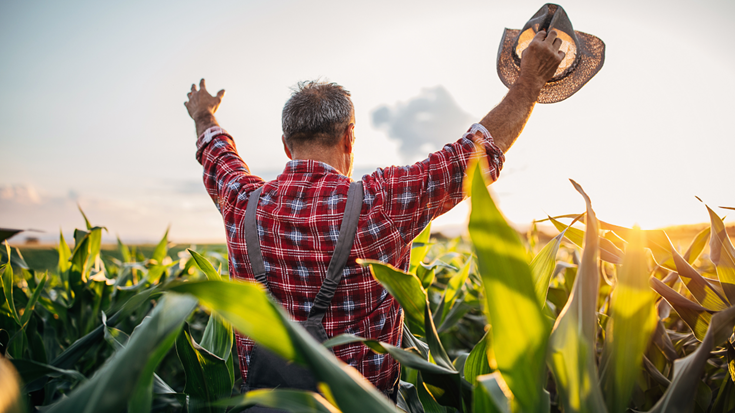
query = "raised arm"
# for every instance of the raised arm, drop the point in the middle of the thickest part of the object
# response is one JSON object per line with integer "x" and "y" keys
{"x": 226, "y": 176}
{"x": 416, "y": 194}
{"x": 538, "y": 64}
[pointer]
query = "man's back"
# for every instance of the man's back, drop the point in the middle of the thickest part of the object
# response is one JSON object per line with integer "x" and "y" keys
{"x": 299, "y": 216}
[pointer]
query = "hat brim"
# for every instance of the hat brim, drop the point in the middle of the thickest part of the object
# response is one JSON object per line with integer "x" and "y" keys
{"x": 591, "y": 56}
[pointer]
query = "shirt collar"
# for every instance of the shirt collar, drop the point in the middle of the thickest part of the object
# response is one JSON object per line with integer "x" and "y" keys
{"x": 308, "y": 166}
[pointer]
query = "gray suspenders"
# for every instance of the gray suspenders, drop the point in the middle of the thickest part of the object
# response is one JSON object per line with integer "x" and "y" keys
{"x": 336, "y": 264}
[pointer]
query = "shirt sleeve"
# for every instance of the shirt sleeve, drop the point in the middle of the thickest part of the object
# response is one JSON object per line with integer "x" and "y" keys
{"x": 414, "y": 195}
{"x": 226, "y": 176}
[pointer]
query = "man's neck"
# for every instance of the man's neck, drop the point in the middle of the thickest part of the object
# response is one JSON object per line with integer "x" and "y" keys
{"x": 329, "y": 157}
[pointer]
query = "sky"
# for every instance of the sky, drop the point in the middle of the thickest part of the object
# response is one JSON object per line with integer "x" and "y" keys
{"x": 92, "y": 114}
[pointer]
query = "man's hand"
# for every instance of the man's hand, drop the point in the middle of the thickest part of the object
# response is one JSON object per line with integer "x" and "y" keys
{"x": 541, "y": 59}
{"x": 202, "y": 106}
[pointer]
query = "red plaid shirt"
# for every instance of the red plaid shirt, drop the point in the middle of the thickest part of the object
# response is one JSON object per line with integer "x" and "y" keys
{"x": 298, "y": 218}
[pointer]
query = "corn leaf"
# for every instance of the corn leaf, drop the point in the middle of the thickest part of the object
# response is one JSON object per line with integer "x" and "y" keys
{"x": 519, "y": 328}
{"x": 405, "y": 288}
{"x": 694, "y": 315}
{"x": 454, "y": 285}
{"x": 436, "y": 348}
{"x": 32, "y": 301}
{"x": 700, "y": 289}
{"x": 408, "y": 398}
{"x": 406, "y": 358}
{"x": 477, "y": 363}
{"x": 205, "y": 266}
{"x": 7, "y": 275}
{"x": 30, "y": 370}
{"x": 237, "y": 301}
{"x": 697, "y": 246}
{"x": 543, "y": 265}
{"x": 293, "y": 401}
{"x": 680, "y": 396}
{"x": 64, "y": 254}
{"x": 632, "y": 320}
{"x": 159, "y": 253}
{"x": 112, "y": 387}
{"x": 722, "y": 255}
{"x": 492, "y": 395}
{"x": 207, "y": 377}
{"x": 607, "y": 249}
{"x": 572, "y": 342}
{"x": 419, "y": 249}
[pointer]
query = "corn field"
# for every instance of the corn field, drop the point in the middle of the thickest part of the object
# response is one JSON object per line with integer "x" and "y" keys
{"x": 599, "y": 319}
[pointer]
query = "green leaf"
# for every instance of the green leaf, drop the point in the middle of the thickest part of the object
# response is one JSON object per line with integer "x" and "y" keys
{"x": 32, "y": 301}
{"x": 159, "y": 253}
{"x": 7, "y": 233}
{"x": 205, "y": 266}
{"x": 428, "y": 400}
{"x": 542, "y": 267}
{"x": 700, "y": 289}
{"x": 477, "y": 363}
{"x": 293, "y": 401}
{"x": 75, "y": 351}
{"x": 492, "y": 394}
{"x": 454, "y": 285}
{"x": 607, "y": 249}
{"x": 680, "y": 396}
{"x": 124, "y": 251}
{"x": 86, "y": 221}
{"x": 572, "y": 342}
{"x": 406, "y": 358}
{"x": 64, "y": 254}
{"x": 697, "y": 246}
{"x": 207, "y": 377}
{"x": 722, "y": 255}
{"x": 694, "y": 315}
{"x": 8, "y": 287}
{"x": 420, "y": 248}
{"x": 30, "y": 370}
{"x": 510, "y": 299}
{"x": 116, "y": 383}
{"x": 247, "y": 307}
{"x": 633, "y": 318}
{"x": 436, "y": 348}
{"x": 408, "y": 398}
{"x": 405, "y": 288}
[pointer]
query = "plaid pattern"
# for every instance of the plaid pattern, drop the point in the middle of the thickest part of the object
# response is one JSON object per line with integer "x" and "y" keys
{"x": 299, "y": 215}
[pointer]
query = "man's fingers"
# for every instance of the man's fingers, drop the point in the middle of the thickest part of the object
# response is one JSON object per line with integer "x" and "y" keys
{"x": 202, "y": 86}
{"x": 193, "y": 88}
{"x": 557, "y": 43}
{"x": 561, "y": 54}
{"x": 540, "y": 35}
{"x": 221, "y": 93}
{"x": 551, "y": 37}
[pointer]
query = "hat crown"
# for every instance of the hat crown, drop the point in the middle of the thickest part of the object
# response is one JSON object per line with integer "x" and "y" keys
{"x": 551, "y": 16}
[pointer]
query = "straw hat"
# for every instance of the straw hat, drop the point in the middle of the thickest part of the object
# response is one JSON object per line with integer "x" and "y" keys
{"x": 584, "y": 57}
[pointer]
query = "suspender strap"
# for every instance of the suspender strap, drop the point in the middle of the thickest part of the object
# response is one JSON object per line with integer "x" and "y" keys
{"x": 341, "y": 254}
{"x": 342, "y": 251}
{"x": 253, "y": 240}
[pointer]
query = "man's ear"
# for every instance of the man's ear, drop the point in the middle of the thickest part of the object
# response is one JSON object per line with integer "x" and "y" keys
{"x": 348, "y": 139}
{"x": 285, "y": 147}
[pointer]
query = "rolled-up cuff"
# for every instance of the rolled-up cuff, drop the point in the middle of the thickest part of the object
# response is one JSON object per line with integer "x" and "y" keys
{"x": 206, "y": 137}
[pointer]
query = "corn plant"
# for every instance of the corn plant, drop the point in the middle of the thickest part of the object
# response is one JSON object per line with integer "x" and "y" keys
{"x": 600, "y": 318}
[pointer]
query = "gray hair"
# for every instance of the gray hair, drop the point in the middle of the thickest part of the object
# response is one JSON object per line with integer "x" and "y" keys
{"x": 317, "y": 112}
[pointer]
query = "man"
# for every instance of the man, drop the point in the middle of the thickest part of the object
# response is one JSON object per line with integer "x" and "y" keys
{"x": 299, "y": 213}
